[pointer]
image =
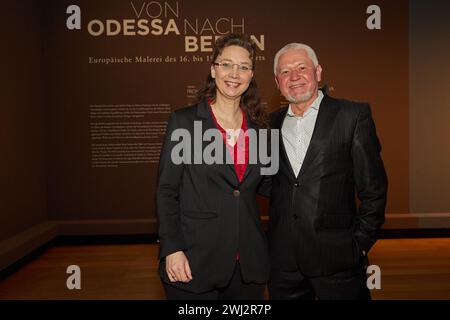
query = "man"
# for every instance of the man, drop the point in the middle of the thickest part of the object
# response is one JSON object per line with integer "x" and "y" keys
{"x": 329, "y": 151}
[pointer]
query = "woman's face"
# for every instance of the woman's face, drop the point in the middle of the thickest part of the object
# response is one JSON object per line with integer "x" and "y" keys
{"x": 232, "y": 72}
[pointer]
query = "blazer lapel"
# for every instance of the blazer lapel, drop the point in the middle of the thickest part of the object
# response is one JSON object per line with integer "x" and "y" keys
{"x": 204, "y": 112}
{"x": 322, "y": 129}
{"x": 249, "y": 167}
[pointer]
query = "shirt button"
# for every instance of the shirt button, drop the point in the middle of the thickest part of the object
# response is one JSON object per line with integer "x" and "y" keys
{"x": 236, "y": 193}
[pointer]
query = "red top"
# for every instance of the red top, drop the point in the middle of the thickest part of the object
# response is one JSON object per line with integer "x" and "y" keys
{"x": 238, "y": 152}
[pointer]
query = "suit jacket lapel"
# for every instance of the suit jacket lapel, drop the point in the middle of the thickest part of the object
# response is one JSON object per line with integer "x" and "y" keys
{"x": 322, "y": 129}
{"x": 277, "y": 123}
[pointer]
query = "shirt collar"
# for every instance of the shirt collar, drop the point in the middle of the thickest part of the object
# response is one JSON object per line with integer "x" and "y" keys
{"x": 314, "y": 106}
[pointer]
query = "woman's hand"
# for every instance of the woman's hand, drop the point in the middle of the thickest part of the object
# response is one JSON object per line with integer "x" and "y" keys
{"x": 177, "y": 267}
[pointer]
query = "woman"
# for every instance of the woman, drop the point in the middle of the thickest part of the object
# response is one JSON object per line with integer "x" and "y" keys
{"x": 212, "y": 243}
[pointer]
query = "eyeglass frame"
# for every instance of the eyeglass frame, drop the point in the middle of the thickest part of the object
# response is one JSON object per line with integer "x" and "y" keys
{"x": 241, "y": 67}
{"x": 286, "y": 72}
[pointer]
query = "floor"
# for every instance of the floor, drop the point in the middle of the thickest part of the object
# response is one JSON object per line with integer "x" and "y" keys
{"x": 410, "y": 269}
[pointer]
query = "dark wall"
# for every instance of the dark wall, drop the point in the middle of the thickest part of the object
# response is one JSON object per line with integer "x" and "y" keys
{"x": 22, "y": 170}
{"x": 430, "y": 106}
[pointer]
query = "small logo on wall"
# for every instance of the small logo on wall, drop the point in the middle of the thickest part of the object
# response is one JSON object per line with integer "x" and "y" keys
{"x": 191, "y": 91}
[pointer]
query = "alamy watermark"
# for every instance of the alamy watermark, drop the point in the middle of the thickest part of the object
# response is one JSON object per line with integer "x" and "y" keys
{"x": 74, "y": 280}
{"x": 262, "y": 149}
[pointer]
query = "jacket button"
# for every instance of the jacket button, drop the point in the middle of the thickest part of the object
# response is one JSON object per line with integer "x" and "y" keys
{"x": 297, "y": 184}
{"x": 295, "y": 216}
{"x": 236, "y": 193}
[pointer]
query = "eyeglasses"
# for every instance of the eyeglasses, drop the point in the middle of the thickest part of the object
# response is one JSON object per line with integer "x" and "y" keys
{"x": 285, "y": 73}
{"x": 228, "y": 66}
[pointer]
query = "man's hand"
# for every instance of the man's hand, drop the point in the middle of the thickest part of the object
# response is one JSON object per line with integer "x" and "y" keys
{"x": 177, "y": 267}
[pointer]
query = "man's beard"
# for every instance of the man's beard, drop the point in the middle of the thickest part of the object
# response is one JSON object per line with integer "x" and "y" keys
{"x": 303, "y": 98}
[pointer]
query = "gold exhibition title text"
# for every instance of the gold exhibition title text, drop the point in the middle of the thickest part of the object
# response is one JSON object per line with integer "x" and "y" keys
{"x": 153, "y": 18}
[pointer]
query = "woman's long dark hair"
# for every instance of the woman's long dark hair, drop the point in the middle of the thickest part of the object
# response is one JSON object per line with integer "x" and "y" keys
{"x": 250, "y": 100}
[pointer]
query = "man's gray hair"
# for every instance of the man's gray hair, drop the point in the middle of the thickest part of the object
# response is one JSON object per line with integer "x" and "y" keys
{"x": 309, "y": 51}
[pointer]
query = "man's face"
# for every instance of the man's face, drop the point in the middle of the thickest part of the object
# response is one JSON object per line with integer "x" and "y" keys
{"x": 297, "y": 78}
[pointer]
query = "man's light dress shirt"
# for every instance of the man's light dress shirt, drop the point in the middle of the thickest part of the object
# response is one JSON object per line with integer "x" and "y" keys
{"x": 297, "y": 132}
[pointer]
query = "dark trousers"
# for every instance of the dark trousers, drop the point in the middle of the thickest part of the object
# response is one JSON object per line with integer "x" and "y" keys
{"x": 293, "y": 285}
{"x": 235, "y": 290}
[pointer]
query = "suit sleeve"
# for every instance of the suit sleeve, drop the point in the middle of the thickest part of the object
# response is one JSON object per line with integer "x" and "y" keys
{"x": 168, "y": 196}
{"x": 370, "y": 180}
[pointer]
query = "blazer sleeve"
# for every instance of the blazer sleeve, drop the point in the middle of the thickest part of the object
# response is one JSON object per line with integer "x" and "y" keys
{"x": 370, "y": 180}
{"x": 168, "y": 196}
